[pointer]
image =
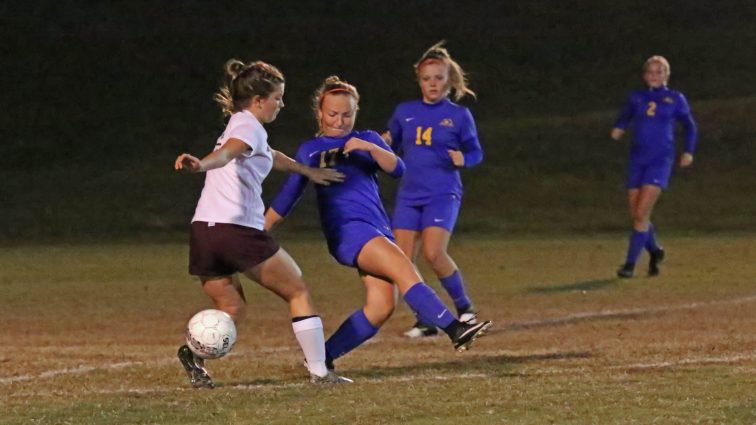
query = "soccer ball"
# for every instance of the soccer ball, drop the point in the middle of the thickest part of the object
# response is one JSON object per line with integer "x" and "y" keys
{"x": 210, "y": 334}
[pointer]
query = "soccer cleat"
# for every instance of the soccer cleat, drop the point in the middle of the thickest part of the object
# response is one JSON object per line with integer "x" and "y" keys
{"x": 468, "y": 314}
{"x": 467, "y": 333}
{"x": 194, "y": 368}
{"x": 420, "y": 330}
{"x": 656, "y": 257}
{"x": 329, "y": 364}
{"x": 330, "y": 378}
{"x": 626, "y": 271}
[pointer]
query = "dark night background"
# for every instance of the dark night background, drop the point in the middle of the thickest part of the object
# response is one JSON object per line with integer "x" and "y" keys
{"x": 98, "y": 99}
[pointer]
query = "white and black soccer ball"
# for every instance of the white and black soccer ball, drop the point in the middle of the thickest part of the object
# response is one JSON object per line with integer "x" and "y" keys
{"x": 210, "y": 334}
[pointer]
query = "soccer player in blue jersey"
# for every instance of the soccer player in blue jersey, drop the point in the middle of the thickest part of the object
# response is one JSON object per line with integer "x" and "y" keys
{"x": 652, "y": 113}
{"x": 356, "y": 226}
{"x": 436, "y": 139}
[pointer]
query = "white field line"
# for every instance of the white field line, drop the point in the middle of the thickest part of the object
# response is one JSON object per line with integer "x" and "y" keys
{"x": 398, "y": 379}
{"x": 576, "y": 317}
{"x": 517, "y": 325}
{"x": 246, "y": 387}
{"x": 691, "y": 361}
{"x": 80, "y": 370}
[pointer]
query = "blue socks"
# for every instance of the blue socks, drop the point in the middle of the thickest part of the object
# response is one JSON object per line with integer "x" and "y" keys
{"x": 428, "y": 307}
{"x": 456, "y": 289}
{"x": 637, "y": 242}
{"x": 355, "y": 330}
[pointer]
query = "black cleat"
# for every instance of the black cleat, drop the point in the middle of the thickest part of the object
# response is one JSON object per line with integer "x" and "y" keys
{"x": 329, "y": 364}
{"x": 656, "y": 257}
{"x": 420, "y": 330}
{"x": 467, "y": 333}
{"x": 626, "y": 271}
{"x": 194, "y": 368}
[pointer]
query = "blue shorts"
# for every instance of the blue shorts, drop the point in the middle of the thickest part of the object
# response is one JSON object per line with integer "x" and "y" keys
{"x": 352, "y": 237}
{"x": 656, "y": 173}
{"x": 441, "y": 211}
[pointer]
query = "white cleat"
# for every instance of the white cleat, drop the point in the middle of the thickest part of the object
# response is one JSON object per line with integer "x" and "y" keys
{"x": 330, "y": 378}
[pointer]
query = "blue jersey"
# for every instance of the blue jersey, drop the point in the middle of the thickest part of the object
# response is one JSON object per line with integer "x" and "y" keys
{"x": 422, "y": 134}
{"x": 653, "y": 113}
{"x": 355, "y": 199}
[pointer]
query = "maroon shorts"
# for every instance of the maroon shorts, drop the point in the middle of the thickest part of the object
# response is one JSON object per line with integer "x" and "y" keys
{"x": 223, "y": 249}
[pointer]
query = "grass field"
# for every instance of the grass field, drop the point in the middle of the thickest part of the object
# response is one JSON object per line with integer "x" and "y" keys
{"x": 90, "y": 332}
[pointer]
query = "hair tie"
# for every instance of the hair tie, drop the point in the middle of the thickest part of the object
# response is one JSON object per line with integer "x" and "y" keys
{"x": 336, "y": 90}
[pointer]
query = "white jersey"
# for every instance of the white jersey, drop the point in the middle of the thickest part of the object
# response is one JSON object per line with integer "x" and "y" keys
{"x": 233, "y": 193}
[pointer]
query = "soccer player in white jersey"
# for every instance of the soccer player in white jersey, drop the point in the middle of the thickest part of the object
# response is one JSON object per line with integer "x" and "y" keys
{"x": 227, "y": 235}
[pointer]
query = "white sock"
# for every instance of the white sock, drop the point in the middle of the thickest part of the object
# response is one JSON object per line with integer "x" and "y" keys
{"x": 309, "y": 333}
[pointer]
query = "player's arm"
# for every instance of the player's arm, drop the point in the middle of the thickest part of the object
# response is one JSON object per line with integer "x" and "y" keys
{"x": 271, "y": 219}
{"x": 323, "y": 176}
{"x": 386, "y": 136}
{"x": 624, "y": 117}
{"x": 393, "y": 136}
{"x": 685, "y": 118}
{"x": 382, "y": 155}
{"x": 471, "y": 153}
{"x": 289, "y": 194}
{"x": 216, "y": 159}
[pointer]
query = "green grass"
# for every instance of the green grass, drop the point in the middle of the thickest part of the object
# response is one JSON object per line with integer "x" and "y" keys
{"x": 571, "y": 344}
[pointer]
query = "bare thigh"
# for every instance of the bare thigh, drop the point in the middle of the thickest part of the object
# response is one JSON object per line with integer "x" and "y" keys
{"x": 281, "y": 275}
{"x": 407, "y": 240}
{"x": 381, "y": 257}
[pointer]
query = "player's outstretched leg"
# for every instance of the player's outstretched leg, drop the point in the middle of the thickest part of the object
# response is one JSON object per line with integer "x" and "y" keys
{"x": 464, "y": 334}
{"x": 468, "y": 314}
{"x": 194, "y": 368}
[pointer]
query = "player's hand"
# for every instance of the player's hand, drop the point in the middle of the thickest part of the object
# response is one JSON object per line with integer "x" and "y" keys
{"x": 457, "y": 158}
{"x": 324, "y": 176}
{"x": 617, "y": 133}
{"x": 686, "y": 159}
{"x": 187, "y": 162}
{"x": 386, "y": 136}
{"x": 357, "y": 144}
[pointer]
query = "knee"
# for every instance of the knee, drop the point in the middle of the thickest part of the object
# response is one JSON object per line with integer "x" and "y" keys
{"x": 436, "y": 257}
{"x": 640, "y": 221}
{"x": 297, "y": 289}
{"x": 432, "y": 255}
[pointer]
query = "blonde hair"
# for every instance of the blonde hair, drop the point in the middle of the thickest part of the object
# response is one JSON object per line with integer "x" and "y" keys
{"x": 661, "y": 60}
{"x": 333, "y": 85}
{"x": 457, "y": 76}
{"x": 245, "y": 81}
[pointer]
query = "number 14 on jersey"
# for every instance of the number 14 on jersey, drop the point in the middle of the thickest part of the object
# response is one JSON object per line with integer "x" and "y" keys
{"x": 423, "y": 136}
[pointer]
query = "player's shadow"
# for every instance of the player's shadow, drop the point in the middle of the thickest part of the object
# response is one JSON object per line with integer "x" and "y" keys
{"x": 492, "y": 366}
{"x": 587, "y": 285}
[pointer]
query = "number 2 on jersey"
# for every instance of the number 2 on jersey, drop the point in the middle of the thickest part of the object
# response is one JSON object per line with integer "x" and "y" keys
{"x": 651, "y": 111}
{"x": 424, "y": 136}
